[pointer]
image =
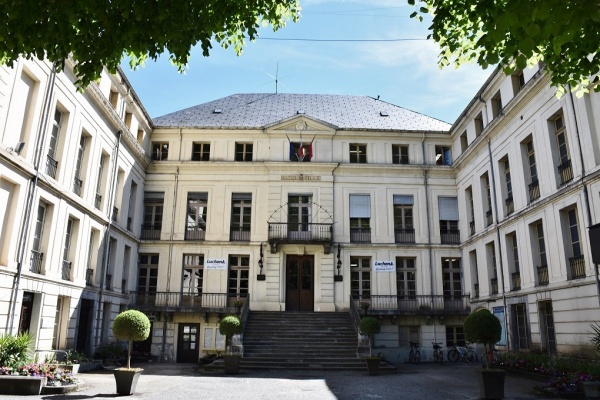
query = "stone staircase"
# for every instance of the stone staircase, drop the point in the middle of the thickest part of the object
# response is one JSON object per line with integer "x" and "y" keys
{"x": 300, "y": 341}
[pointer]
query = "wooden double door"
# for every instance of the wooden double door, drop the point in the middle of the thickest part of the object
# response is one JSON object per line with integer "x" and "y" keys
{"x": 299, "y": 287}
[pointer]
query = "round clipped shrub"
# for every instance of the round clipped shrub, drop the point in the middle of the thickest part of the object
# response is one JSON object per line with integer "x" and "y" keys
{"x": 483, "y": 327}
{"x": 369, "y": 326}
{"x": 230, "y": 325}
{"x": 133, "y": 326}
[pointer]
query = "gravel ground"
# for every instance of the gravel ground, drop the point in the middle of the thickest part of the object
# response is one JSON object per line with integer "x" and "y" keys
{"x": 189, "y": 381}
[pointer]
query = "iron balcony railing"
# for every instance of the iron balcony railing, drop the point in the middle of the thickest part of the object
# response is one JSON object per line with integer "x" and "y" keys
{"x": 510, "y": 205}
{"x": 98, "y": 201}
{"x": 542, "y": 275}
{"x": 35, "y": 265}
{"x": 360, "y": 235}
{"x": 534, "y": 190}
{"x": 51, "y": 166}
{"x": 565, "y": 171}
{"x": 194, "y": 233}
{"x": 129, "y": 223}
{"x": 239, "y": 234}
{"x": 489, "y": 218}
{"x": 516, "y": 280}
{"x": 108, "y": 282}
{"x": 472, "y": 228}
{"x": 414, "y": 304}
{"x": 476, "y": 290}
{"x": 494, "y": 285}
{"x": 450, "y": 236}
{"x": 160, "y": 301}
{"x": 66, "y": 270}
{"x": 77, "y": 185}
{"x": 577, "y": 265}
{"x": 404, "y": 235}
{"x": 300, "y": 232}
{"x": 151, "y": 232}
{"x": 89, "y": 276}
{"x": 123, "y": 285}
{"x": 115, "y": 214}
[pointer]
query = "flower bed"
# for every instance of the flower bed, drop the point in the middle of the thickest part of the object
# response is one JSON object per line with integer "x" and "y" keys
{"x": 53, "y": 374}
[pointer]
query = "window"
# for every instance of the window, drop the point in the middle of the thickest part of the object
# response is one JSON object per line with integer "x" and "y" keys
{"x": 455, "y": 336}
{"x": 448, "y": 209}
{"x": 404, "y": 231}
{"x": 201, "y": 152}
{"x": 239, "y": 267}
{"x": 358, "y": 153}
{"x": 487, "y": 195}
{"x": 193, "y": 278}
{"x": 241, "y": 216}
{"x": 565, "y": 170}
{"x": 400, "y": 154}
{"x": 131, "y": 205}
{"x": 407, "y": 334}
{"x": 61, "y": 320}
{"x": 518, "y": 81}
{"x": 66, "y": 263}
{"x": 496, "y": 104}
{"x": 520, "y": 328}
{"x": 360, "y": 218}
{"x": 113, "y": 98}
{"x": 508, "y": 202}
{"x": 100, "y": 181}
{"x": 513, "y": 256}
{"x": 360, "y": 277}
{"x": 89, "y": 273}
{"x": 128, "y": 119}
{"x": 478, "y": 120}
{"x": 125, "y": 271}
{"x": 443, "y": 155}
{"x": 301, "y": 152}
{"x": 491, "y": 256}
{"x": 51, "y": 163}
{"x": 539, "y": 252}
{"x": 243, "y": 152}
{"x": 299, "y": 216}
{"x": 406, "y": 283}
{"x": 196, "y": 216}
{"x": 464, "y": 142}
{"x": 474, "y": 273}
{"x": 470, "y": 210}
{"x": 36, "y": 247}
{"x": 77, "y": 181}
{"x": 153, "y": 213}
{"x": 452, "y": 284}
{"x": 573, "y": 244}
{"x": 160, "y": 151}
{"x": 534, "y": 187}
{"x": 147, "y": 277}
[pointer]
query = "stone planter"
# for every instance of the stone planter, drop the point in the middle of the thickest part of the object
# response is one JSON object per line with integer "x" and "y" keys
{"x": 591, "y": 390}
{"x": 21, "y": 385}
{"x": 232, "y": 363}
{"x": 491, "y": 383}
{"x": 126, "y": 380}
{"x": 373, "y": 365}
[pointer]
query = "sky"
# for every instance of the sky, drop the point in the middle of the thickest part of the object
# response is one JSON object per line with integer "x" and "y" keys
{"x": 337, "y": 47}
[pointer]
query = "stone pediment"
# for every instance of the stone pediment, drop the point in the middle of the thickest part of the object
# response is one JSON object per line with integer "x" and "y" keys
{"x": 301, "y": 124}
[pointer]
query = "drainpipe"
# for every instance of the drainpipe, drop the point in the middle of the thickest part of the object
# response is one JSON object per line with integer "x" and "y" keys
{"x": 105, "y": 260}
{"x": 170, "y": 262}
{"x": 493, "y": 176}
{"x": 429, "y": 247}
{"x": 585, "y": 190}
{"x": 31, "y": 192}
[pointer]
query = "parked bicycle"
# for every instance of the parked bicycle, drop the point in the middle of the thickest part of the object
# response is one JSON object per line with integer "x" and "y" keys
{"x": 460, "y": 352}
{"x": 438, "y": 354}
{"x": 493, "y": 357}
{"x": 415, "y": 354}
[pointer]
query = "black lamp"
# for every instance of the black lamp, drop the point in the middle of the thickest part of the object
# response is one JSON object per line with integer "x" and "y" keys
{"x": 260, "y": 276}
{"x": 338, "y": 277}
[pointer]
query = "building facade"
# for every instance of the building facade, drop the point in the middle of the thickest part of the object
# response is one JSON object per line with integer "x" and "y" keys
{"x": 285, "y": 202}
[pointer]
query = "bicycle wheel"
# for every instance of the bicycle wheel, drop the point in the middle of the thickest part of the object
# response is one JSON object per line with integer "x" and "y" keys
{"x": 417, "y": 357}
{"x": 453, "y": 355}
{"x": 471, "y": 356}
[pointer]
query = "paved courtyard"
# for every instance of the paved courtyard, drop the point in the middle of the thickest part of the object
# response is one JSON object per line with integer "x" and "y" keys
{"x": 189, "y": 381}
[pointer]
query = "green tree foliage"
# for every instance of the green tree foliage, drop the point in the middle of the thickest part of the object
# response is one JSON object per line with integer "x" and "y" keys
{"x": 565, "y": 35}
{"x": 15, "y": 350}
{"x": 229, "y": 326}
{"x": 369, "y": 326}
{"x": 483, "y": 327}
{"x": 100, "y": 32}
{"x": 133, "y": 326}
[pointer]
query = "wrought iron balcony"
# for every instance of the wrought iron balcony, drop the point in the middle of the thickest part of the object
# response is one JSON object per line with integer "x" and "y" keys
{"x": 115, "y": 214}
{"x": 194, "y": 233}
{"x": 565, "y": 171}
{"x": 77, "y": 185}
{"x": 35, "y": 265}
{"x": 89, "y": 276}
{"x": 360, "y": 235}
{"x": 414, "y": 304}
{"x": 450, "y": 236}
{"x": 494, "y": 285}
{"x": 476, "y": 291}
{"x": 108, "y": 282}
{"x": 516, "y": 280}
{"x": 510, "y": 205}
{"x": 239, "y": 234}
{"x": 534, "y": 190}
{"x": 404, "y": 235}
{"x": 177, "y": 301}
{"x": 51, "y": 166}
{"x": 151, "y": 232}
{"x": 66, "y": 270}
{"x": 489, "y": 217}
{"x": 98, "y": 201}
{"x": 309, "y": 232}
{"x": 129, "y": 223}
{"x": 472, "y": 228}
{"x": 542, "y": 275}
{"x": 123, "y": 285}
{"x": 577, "y": 265}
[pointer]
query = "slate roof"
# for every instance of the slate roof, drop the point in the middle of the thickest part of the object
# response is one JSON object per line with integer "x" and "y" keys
{"x": 260, "y": 110}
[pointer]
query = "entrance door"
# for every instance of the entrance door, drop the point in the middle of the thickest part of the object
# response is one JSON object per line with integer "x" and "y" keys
{"x": 84, "y": 326}
{"x": 299, "y": 294}
{"x": 187, "y": 344}
{"x": 26, "y": 312}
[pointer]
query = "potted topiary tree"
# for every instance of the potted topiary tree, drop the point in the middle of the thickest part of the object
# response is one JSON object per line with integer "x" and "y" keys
{"x": 229, "y": 326}
{"x": 133, "y": 326}
{"x": 484, "y": 327}
{"x": 369, "y": 326}
{"x": 592, "y": 388}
